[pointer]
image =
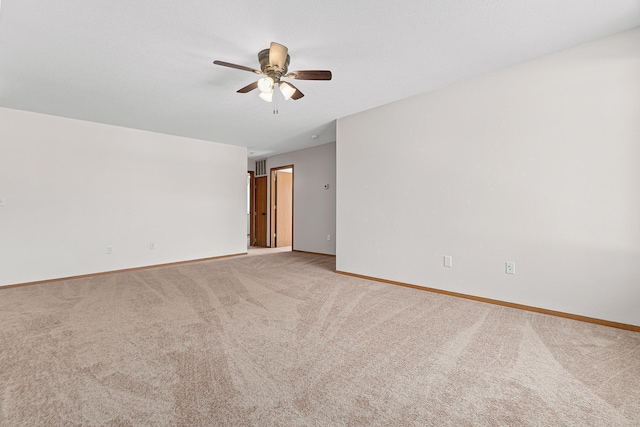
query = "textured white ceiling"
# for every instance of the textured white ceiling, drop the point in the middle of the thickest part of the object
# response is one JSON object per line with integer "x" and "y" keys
{"x": 147, "y": 64}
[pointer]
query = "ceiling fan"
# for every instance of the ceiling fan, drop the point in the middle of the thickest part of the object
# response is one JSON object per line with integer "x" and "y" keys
{"x": 274, "y": 65}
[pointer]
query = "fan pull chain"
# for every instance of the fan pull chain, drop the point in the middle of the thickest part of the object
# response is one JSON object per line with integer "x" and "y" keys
{"x": 275, "y": 106}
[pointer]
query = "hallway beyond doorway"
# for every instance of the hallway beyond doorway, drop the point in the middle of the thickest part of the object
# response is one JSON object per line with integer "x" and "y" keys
{"x": 257, "y": 250}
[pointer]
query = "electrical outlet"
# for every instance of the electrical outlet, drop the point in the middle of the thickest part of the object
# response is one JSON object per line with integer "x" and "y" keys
{"x": 510, "y": 268}
{"x": 109, "y": 250}
{"x": 3, "y": 201}
{"x": 328, "y": 236}
{"x": 448, "y": 261}
{"x": 152, "y": 246}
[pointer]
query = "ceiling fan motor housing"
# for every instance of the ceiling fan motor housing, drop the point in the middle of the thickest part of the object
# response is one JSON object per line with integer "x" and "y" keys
{"x": 270, "y": 70}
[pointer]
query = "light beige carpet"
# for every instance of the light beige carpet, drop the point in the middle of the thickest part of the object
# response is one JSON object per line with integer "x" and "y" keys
{"x": 280, "y": 339}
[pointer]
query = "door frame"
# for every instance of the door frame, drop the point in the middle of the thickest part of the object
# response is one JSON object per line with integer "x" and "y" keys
{"x": 272, "y": 203}
{"x": 252, "y": 208}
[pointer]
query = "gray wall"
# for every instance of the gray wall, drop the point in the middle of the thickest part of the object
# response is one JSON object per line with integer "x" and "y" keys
{"x": 314, "y": 208}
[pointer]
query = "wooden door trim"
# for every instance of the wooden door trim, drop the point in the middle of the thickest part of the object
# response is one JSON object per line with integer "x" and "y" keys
{"x": 272, "y": 202}
{"x": 263, "y": 239}
{"x": 252, "y": 208}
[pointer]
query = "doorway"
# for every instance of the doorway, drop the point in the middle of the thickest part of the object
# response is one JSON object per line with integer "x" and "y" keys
{"x": 282, "y": 206}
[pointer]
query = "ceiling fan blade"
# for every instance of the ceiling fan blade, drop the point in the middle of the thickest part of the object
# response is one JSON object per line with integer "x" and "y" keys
{"x": 297, "y": 94}
{"x": 310, "y": 75}
{"x": 278, "y": 55}
{"x": 236, "y": 66}
{"x": 248, "y": 88}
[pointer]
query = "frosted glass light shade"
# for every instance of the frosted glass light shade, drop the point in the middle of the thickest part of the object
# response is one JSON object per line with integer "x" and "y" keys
{"x": 287, "y": 90}
{"x": 267, "y": 96}
{"x": 265, "y": 84}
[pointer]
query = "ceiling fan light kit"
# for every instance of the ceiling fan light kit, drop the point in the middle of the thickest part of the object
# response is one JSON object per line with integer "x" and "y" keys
{"x": 274, "y": 65}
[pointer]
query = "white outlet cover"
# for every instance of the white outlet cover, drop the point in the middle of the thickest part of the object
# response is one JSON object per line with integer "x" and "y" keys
{"x": 448, "y": 261}
{"x": 3, "y": 201}
{"x": 510, "y": 268}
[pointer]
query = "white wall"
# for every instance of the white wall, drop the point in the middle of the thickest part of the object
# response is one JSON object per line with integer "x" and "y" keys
{"x": 537, "y": 164}
{"x": 314, "y": 208}
{"x": 73, "y": 188}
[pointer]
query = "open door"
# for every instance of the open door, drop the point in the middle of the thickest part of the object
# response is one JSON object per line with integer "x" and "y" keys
{"x": 282, "y": 206}
{"x": 251, "y": 221}
{"x": 260, "y": 212}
